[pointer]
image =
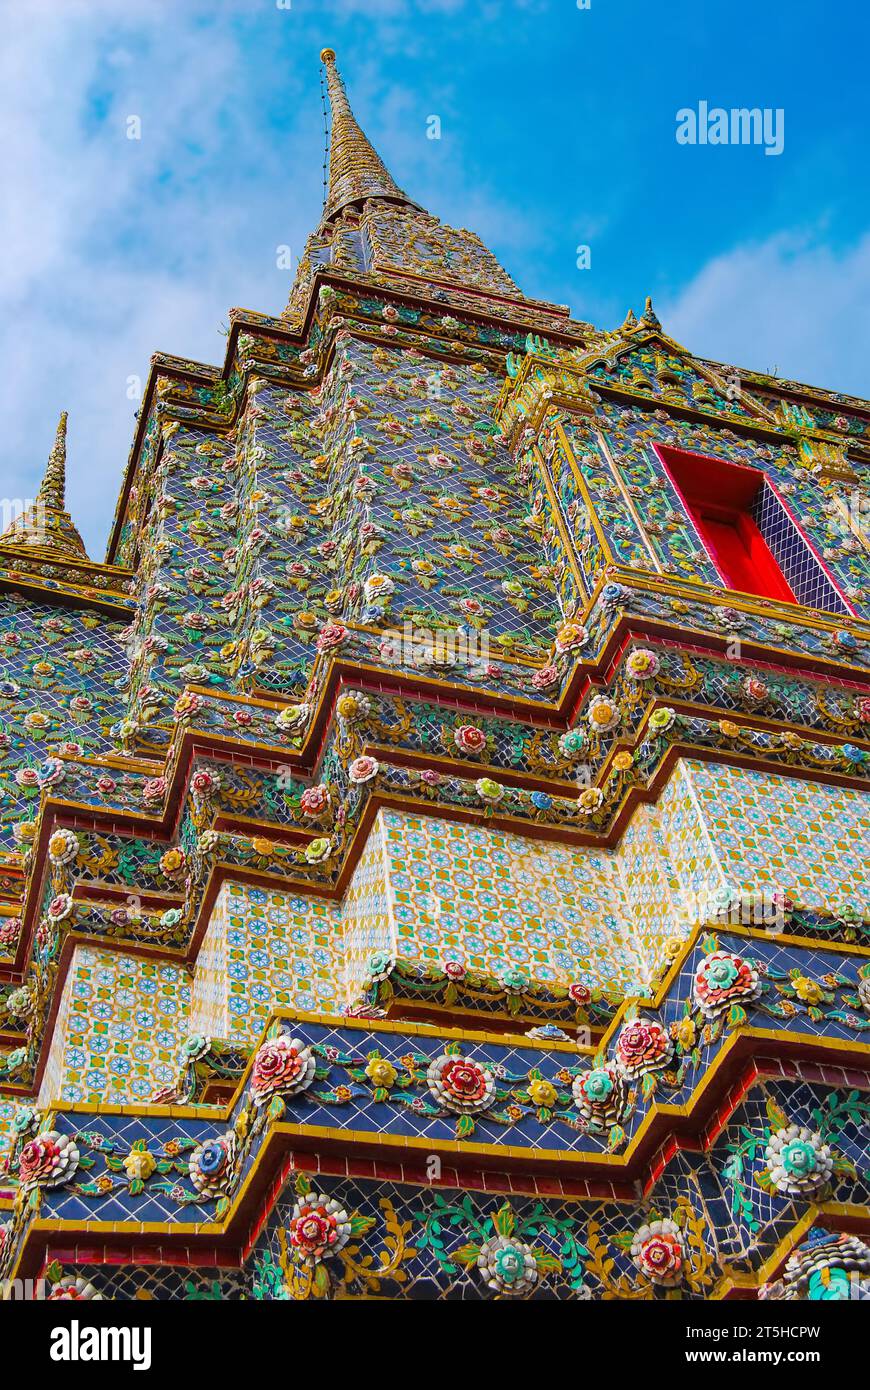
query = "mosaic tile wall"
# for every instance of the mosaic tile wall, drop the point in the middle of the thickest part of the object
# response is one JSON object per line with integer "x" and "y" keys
{"x": 808, "y": 838}
{"x": 496, "y": 900}
{"x": 265, "y": 950}
{"x": 428, "y": 890}
{"x": 60, "y": 673}
{"x": 119, "y": 1025}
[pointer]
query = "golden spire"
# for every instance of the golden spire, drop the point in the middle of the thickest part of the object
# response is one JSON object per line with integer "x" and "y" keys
{"x": 356, "y": 170}
{"x": 45, "y": 528}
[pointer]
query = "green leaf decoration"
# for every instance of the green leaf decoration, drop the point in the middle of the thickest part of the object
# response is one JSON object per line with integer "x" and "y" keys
{"x": 360, "y": 1224}
{"x": 504, "y": 1220}
{"x": 616, "y": 1138}
{"x": 467, "y": 1254}
{"x": 464, "y": 1127}
{"x": 776, "y": 1116}
{"x": 276, "y": 1108}
{"x": 736, "y": 1016}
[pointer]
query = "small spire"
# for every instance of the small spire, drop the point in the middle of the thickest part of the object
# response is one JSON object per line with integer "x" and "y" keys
{"x": 650, "y": 317}
{"x": 52, "y": 490}
{"x": 630, "y": 322}
{"x": 356, "y": 170}
{"x": 45, "y": 528}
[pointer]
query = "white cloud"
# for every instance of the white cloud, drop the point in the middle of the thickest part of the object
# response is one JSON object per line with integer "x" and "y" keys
{"x": 786, "y": 304}
{"x": 115, "y": 248}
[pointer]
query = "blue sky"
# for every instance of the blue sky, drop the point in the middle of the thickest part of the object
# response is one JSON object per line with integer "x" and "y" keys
{"x": 558, "y": 130}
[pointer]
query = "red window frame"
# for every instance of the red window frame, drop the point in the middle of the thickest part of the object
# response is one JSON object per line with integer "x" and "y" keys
{"x": 717, "y": 497}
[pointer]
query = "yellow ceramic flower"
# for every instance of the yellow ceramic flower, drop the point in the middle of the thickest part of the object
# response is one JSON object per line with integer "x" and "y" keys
{"x": 542, "y": 1093}
{"x": 260, "y": 845}
{"x": 35, "y": 720}
{"x": 381, "y": 1073}
{"x": 807, "y": 990}
{"x": 172, "y": 861}
{"x": 347, "y": 706}
{"x": 623, "y": 761}
{"x": 140, "y": 1164}
{"x": 729, "y": 728}
{"x": 602, "y": 713}
{"x": 686, "y": 1033}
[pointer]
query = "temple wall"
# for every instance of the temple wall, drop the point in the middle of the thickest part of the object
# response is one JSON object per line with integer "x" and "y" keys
{"x": 120, "y": 1022}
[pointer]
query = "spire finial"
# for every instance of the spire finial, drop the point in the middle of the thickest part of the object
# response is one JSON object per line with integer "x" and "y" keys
{"x": 46, "y": 529}
{"x": 52, "y": 489}
{"x": 650, "y": 318}
{"x": 356, "y": 170}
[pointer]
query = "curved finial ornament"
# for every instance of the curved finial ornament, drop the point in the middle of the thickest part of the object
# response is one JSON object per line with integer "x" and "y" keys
{"x": 356, "y": 170}
{"x": 45, "y": 527}
{"x": 650, "y": 318}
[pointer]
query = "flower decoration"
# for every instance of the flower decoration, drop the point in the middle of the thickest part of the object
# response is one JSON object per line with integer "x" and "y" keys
{"x": 353, "y": 707}
{"x": 754, "y": 689}
{"x": 363, "y": 770}
{"x": 318, "y": 851}
{"x": 380, "y": 965}
{"x": 661, "y": 719}
{"x": 205, "y": 783}
{"x": 378, "y": 586}
{"x": 659, "y": 1252}
{"x": 603, "y": 714}
{"x": 542, "y": 1093}
{"x": 139, "y": 1164}
{"x": 799, "y": 1162}
{"x": 331, "y": 635}
{"x": 589, "y": 800}
{"x": 572, "y": 743}
{"x": 314, "y": 800}
{"x": 48, "y": 1160}
{"x": 599, "y": 1095}
{"x": 319, "y": 1226}
{"x": 722, "y": 979}
{"x": 72, "y": 1288}
{"x": 173, "y": 862}
{"x": 460, "y": 1084}
{"x": 642, "y": 1046}
{"x": 488, "y": 790}
{"x": 642, "y": 664}
{"x": 508, "y": 1266}
{"x": 154, "y": 789}
{"x": 212, "y": 1165}
{"x": 60, "y": 907}
{"x": 291, "y": 717}
{"x": 469, "y": 739}
{"x": 282, "y": 1066}
{"x": 381, "y": 1073}
{"x": 194, "y": 1047}
{"x": 63, "y": 846}
{"x": 571, "y": 637}
{"x": 546, "y": 678}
